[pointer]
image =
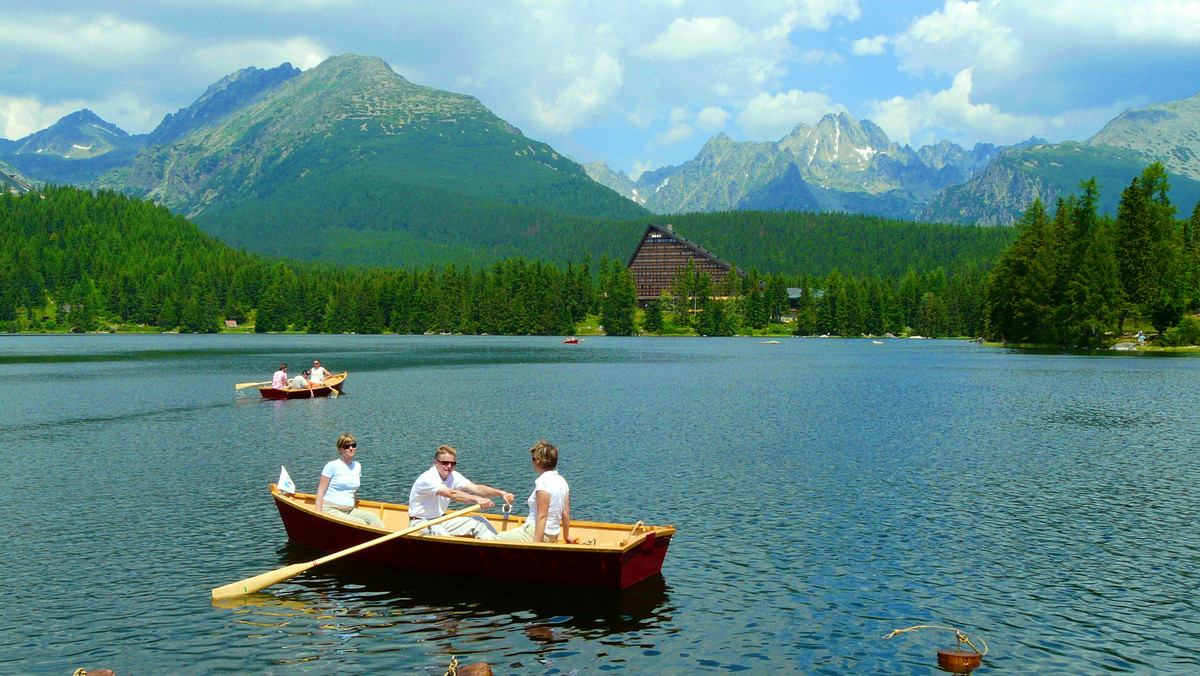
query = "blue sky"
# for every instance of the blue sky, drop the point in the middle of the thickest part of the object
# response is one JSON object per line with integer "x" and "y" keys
{"x": 638, "y": 85}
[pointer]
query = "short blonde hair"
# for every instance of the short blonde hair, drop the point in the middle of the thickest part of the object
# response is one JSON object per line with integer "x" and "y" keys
{"x": 344, "y": 439}
{"x": 445, "y": 449}
{"x": 545, "y": 454}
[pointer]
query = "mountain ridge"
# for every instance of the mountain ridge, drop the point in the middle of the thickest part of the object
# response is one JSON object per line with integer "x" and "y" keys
{"x": 851, "y": 165}
{"x": 309, "y": 143}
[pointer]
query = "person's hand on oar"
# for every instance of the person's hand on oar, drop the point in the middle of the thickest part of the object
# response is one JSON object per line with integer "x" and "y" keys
{"x": 264, "y": 580}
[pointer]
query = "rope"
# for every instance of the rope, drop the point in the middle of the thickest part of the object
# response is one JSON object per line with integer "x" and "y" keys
{"x": 632, "y": 531}
{"x": 453, "y": 670}
{"x": 962, "y": 638}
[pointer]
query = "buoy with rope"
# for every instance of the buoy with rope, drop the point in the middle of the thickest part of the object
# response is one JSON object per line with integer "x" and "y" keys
{"x": 473, "y": 669}
{"x": 957, "y": 660}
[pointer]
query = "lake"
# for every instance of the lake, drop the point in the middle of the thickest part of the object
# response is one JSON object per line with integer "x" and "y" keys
{"x": 826, "y": 492}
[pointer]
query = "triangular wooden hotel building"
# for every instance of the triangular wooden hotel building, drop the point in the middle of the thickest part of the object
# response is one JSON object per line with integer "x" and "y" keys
{"x": 664, "y": 253}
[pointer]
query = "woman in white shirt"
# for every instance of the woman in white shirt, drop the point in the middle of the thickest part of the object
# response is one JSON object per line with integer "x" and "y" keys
{"x": 549, "y": 504}
{"x": 340, "y": 480}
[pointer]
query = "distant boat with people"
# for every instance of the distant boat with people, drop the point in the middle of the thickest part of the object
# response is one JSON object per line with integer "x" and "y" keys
{"x": 331, "y": 386}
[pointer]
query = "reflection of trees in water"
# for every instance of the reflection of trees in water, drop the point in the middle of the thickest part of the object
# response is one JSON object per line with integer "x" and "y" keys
{"x": 351, "y": 601}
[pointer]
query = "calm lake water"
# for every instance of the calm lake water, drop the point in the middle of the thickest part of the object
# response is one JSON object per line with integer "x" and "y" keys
{"x": 826, "y": 493}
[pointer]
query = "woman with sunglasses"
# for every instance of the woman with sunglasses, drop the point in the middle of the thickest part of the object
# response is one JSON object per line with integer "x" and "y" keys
{"x": 340, "y": 481}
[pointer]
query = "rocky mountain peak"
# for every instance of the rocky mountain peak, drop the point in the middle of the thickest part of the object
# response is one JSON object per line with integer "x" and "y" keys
{"x": 79, "y": 135}
{"x": 837, "y": 140}
{"x": 227, "y": 95}
{"x": 1167, "y": 132}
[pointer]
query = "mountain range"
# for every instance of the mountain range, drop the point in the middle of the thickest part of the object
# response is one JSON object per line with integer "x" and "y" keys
{"x": 349, "y": 162}
{"x": 842, "y": 164}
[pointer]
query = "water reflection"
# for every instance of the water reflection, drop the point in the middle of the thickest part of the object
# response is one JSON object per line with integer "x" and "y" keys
{"x": 350, "y": 606}
{"x": 579, "y": 610}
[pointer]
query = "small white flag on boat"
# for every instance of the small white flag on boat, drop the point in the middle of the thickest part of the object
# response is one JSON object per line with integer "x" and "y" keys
{"x": 285, "y": 482}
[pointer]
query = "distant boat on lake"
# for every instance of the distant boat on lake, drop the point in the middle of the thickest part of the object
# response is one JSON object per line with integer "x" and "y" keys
{"x": 332, "y": 385}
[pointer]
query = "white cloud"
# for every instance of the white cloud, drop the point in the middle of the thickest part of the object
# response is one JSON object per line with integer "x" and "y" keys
{"x": 821, "y": 57}
{"x": 768, "y": 116}
{"x": 958, "y": 36}
{"x": 222, "y": 59}
{"x": 870, "y": 46}
{"x": 21, "y": 116}
{"x": 920, "y": 119}
{"x": 1149, "y": 22}
{"x": 588, "y": 90}
{"x": 810, "y": 14}
{"x": 703, "y": 36}
{"x": 712, "y": 118}
{"x": 676, "y": 133}
{"x": 83, "y": 38}
{"x": 682, "y": 124}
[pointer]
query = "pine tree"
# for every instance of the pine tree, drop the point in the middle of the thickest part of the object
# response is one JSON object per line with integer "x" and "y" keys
{"x": 653, "y": 322}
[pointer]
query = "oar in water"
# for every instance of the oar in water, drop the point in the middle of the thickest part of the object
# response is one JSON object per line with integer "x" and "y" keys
{"x": 242, "y": 386}
{"x": 264, "y": 580}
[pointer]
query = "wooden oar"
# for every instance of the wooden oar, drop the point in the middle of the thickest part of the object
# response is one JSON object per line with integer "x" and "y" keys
{"x": 242, "y": 386}
{"x": 264, "y": 580}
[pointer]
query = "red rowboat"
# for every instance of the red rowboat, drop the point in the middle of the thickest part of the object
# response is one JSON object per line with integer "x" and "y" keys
{"x": 333, "y": 382}
{"x": 571, "y": 341}
{"x": 613, "y": 556}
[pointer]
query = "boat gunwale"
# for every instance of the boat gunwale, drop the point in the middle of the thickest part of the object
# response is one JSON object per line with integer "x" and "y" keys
{"x": 634, "y": 542}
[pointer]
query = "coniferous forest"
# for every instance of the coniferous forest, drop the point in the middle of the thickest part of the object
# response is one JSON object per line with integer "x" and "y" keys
{"x": 75, "y": 260}
{"x": 1075, "y": 278}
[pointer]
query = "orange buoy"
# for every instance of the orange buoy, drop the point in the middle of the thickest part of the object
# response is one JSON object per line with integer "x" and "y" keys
{"x": 959, "y": 661}
{"x": 954, "y": 661}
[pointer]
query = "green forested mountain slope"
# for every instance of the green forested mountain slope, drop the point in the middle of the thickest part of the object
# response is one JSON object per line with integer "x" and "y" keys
{"x": 107, "y": 254}
{"x": 351, "y": 162}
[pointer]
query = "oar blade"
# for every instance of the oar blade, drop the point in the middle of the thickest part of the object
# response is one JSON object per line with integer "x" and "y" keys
{"x": 242, "y": 386}
{"x": 259, "y": 582}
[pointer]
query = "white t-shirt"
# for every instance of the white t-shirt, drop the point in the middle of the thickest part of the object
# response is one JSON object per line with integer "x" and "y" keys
{"x": 423, "y": 500}
{"x": 343, "y": 482}
{"x": 556, "y": 487}
{"x": 318, "y": 375}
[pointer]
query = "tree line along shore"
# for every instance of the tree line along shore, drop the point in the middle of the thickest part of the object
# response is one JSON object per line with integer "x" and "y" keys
{"x": 74, "y": 260}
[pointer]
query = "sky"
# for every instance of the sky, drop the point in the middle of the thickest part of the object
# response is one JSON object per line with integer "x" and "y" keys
{"x": 637, "y": 84}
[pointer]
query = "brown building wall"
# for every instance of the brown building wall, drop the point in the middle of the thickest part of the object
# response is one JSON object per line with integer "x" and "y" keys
{"x": 661, "y": 256}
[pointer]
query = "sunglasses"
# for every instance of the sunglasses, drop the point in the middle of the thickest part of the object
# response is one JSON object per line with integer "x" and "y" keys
{"x": 352, "y": 444}
{"x": 448, "y": 463}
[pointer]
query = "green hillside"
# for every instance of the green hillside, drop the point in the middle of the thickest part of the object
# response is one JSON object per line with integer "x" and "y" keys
{"x": 799, "y": 242}
{"x": 1064, "y": 165}
{"x": 351, "y": 162}
{"x": 443, "y": 193}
